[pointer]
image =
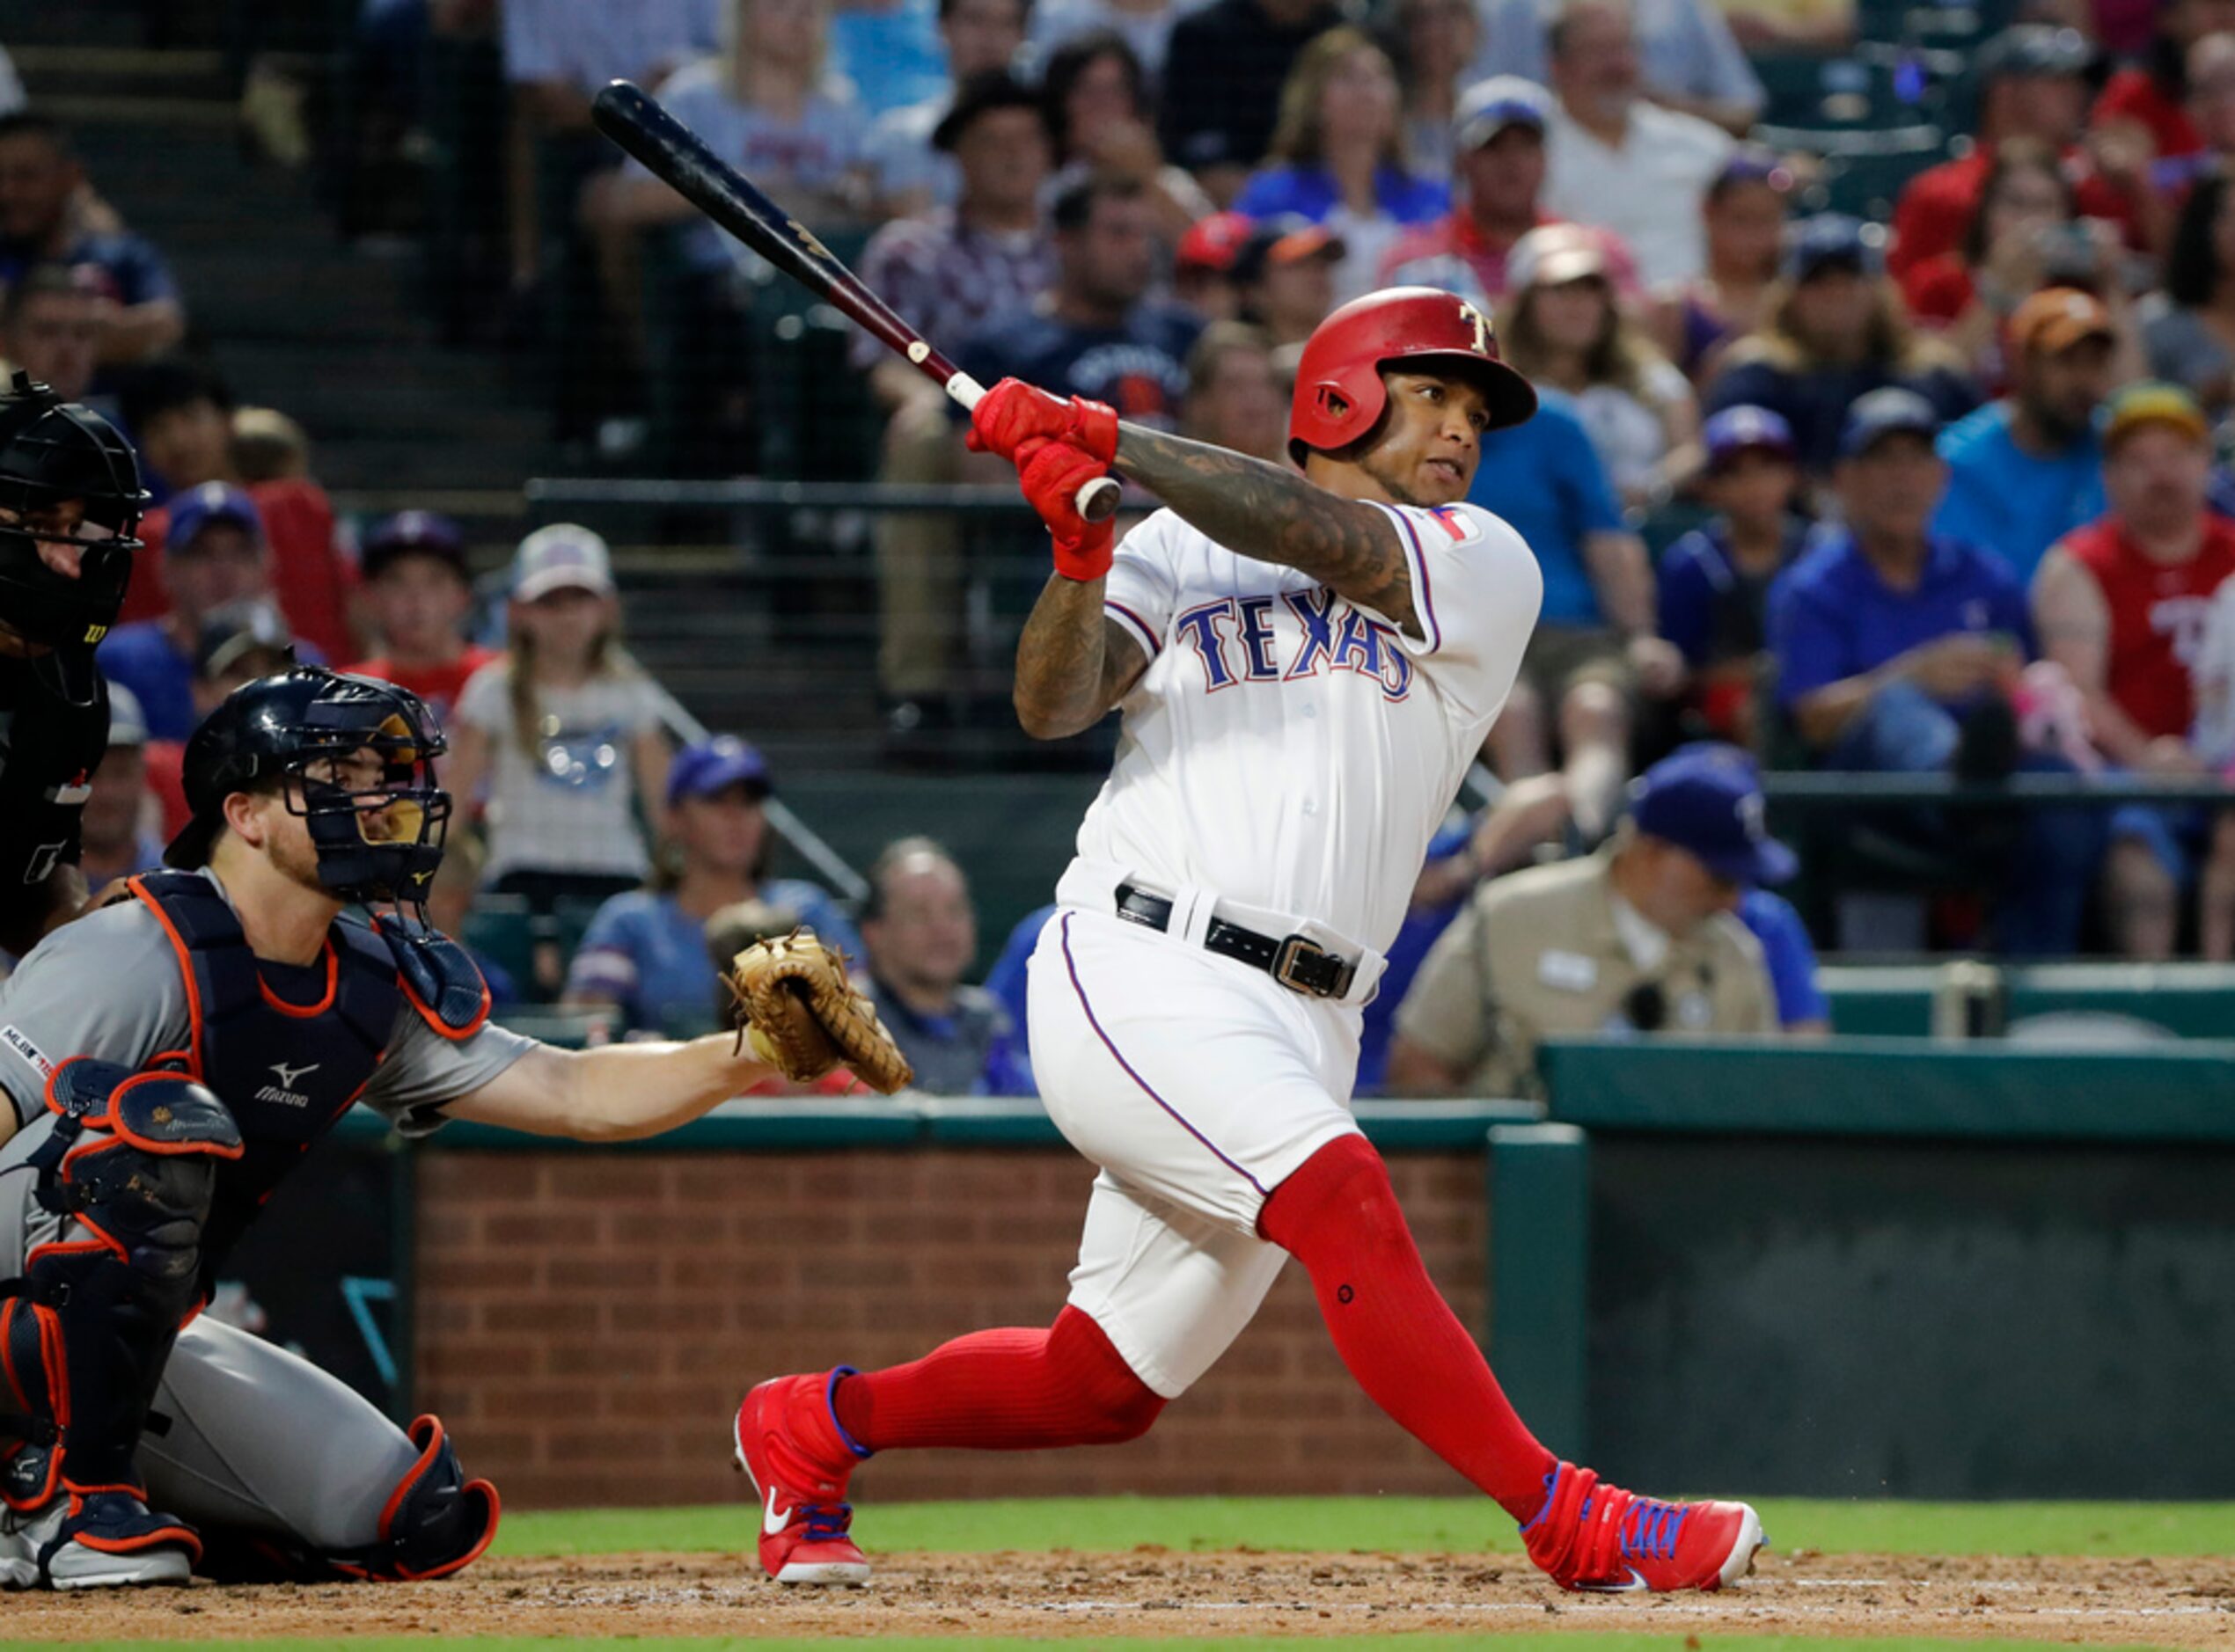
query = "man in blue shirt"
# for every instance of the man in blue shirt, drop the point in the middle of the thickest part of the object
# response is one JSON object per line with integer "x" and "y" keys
{"x": 922, "y": 934}
{"x": 2026, "y": 471}
{"x": 1897, "y": 651}
{"x": 216, "y": 557}
{"x": 1594, "y": 645}
{"x": 1715, "y": 580}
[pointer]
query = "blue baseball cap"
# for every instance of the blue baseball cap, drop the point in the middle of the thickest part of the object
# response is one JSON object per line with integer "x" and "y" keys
{"x": 1884, "y": 412}
{"x": 1706, "y": 798}
{"x": 1833, "y": 237}
{"x": 1746, "y": 428}
{"x": 199, "y": 508}
{"x": 714, "y": 765}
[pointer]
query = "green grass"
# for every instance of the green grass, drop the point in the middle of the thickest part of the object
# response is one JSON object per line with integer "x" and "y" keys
{"x": 1266, "y": 1643}
{"x": 1399, "y": 1524}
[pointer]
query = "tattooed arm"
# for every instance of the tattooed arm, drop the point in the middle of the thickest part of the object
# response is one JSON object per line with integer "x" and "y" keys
{"x": 1073, "y": 662}
{"x": 1273, "y": 515}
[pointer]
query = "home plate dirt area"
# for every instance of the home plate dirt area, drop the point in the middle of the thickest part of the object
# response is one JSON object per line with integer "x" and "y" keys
{"x": 1149, "y": 1592}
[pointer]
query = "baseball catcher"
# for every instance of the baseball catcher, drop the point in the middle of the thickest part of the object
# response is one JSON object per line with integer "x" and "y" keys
{"x": 168, "y": 1060}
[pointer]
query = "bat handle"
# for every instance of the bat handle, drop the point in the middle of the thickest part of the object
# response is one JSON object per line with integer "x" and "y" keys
{"x": 1095, "y": 501}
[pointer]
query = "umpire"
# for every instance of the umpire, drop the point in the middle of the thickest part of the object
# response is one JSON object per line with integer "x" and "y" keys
{"x": 1639, "y": 938}
{"x": 70, "y": 501}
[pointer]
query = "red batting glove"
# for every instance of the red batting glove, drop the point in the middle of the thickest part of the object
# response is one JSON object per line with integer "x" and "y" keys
{"x": 1013, "y": 412}
{"x": 1052, "y": 473}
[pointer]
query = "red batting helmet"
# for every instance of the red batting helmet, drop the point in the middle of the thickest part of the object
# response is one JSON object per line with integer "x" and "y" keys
{"x": 1339, "y": 394}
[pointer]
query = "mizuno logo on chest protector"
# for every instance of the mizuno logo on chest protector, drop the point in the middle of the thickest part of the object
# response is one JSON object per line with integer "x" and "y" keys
{"x": 284, "y": 1093}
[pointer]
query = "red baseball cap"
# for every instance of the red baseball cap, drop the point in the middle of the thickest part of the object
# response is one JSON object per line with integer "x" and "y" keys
{"x": 1212, "y": 243}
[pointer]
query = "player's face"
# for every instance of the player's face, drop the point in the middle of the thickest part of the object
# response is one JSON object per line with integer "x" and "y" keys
{"x": 722, "y": 833}
{"x": 63, "y": 532}
{"x": 1432, "y": 439}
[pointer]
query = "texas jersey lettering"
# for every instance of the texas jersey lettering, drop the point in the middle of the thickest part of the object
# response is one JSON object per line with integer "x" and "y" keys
{"x": 1291, "y": 749}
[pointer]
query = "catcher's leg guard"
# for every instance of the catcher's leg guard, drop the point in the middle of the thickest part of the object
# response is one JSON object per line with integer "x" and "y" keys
{"x": 129, "y": 1168}
{"x": 435, "y": 1522}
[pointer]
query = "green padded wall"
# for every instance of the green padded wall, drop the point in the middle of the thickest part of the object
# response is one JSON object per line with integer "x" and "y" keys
{"x": 1895, "y": 1267}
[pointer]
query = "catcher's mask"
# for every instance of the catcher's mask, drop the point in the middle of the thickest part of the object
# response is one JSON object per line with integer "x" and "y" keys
{"x": 351, "y": 755}
{"x": 54, "y": 454}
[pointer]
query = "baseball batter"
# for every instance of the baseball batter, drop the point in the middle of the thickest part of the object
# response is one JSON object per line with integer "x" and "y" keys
{"x": 166, "y": 1060}
{"x": 1306, "y": 664}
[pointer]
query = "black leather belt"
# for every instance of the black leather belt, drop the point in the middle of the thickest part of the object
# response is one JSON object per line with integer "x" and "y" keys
{"x": 1301, "y": 965}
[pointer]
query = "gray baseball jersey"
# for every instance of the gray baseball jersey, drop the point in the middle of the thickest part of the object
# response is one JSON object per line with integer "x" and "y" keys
{"x": 261, "y": 1441}
{"x": 109, "y": 986}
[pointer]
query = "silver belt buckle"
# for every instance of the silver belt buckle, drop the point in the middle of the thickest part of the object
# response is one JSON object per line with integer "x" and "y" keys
{"x": 1293, "y": 952}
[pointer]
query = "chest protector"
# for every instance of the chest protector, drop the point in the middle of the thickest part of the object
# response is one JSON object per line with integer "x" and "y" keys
{"x": 288, "y": 1071}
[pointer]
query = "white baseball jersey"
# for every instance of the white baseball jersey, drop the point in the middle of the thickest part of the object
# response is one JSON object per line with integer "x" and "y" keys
{"x": 1286, "y": 750}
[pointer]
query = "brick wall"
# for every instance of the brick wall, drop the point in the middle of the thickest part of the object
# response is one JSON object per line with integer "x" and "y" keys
{"x": 586, "y": 1322}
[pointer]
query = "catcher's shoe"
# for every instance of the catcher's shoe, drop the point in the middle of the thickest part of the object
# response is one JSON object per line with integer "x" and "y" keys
{"x": 96, "y": 1537}
{"x": 791, "y": 1447}
{"x": 1593, "y": 1535}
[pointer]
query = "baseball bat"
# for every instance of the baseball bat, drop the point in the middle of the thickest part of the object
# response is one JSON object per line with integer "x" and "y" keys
{"x": 673, "y": 153}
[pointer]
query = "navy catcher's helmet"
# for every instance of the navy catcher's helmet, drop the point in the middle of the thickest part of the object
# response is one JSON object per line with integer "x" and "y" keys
{"x": 54, "y": 453}
{"x": 292, "y": 732}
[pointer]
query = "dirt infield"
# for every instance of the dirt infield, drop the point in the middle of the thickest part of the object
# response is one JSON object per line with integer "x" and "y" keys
{"x": 2187, "y": 1603}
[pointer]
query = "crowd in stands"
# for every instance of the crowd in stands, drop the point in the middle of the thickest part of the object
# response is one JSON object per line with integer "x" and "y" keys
{"x": 1915, "y": 471}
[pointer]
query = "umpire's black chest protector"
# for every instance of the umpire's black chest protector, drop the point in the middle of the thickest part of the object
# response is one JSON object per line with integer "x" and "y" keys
{"x": 287, "y": 1072}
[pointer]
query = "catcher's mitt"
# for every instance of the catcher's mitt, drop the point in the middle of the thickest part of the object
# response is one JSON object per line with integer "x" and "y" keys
{"x": 802, "y": 1014}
